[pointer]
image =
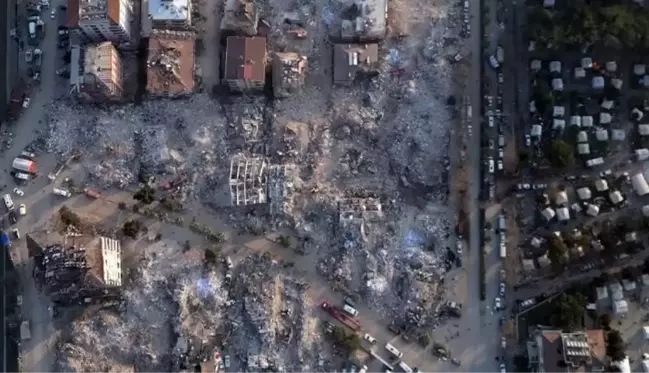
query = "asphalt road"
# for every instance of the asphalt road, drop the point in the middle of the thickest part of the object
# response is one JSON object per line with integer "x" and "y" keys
{"x": 37, "y": 354}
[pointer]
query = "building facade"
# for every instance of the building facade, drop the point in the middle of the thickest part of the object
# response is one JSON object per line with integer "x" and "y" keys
{"x": 99, "y": 76}
{"x": 95, "y": 21}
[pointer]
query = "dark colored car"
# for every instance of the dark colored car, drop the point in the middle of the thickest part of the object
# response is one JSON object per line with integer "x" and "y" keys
{"x": 12, "y": 217}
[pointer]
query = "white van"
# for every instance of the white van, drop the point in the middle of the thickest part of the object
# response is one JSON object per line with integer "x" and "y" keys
{"x": 405, "y": 367}
{"x": 22, "y": 176}
{"x": 493, "y": 62}
{"x": 393, "y": 350}
{"x": 350, "y": 310}
{"x": 9, "y": 203}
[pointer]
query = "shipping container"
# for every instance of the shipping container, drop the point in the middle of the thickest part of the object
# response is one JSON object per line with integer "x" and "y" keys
{"x": 24, "y": 165}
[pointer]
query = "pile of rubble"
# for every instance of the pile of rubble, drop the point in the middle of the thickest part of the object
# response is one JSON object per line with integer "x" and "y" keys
{"x": 270, "y": 318}
{"x": 170, "y": 314}
{"x": 154, "y": 138}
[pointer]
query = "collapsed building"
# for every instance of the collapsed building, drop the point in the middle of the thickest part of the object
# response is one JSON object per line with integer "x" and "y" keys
{"x": 289, "y": 71}
{"x": 80, "y": 269}
{"x": 96, "y": 72}
{"x": 361, "y": 21}
{"x": 240, "y": 17}
{"x": 170, "y": 64}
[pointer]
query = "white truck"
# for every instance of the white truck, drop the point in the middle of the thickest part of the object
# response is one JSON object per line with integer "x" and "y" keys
{"x": 503, "y": 250}
{"x": 61, "y": 192}
{"x": 25, "y": 331}
{"x": 32, "y": 29}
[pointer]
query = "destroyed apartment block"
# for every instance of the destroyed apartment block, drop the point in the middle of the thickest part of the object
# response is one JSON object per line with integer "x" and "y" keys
{"x": 289, "y": 70}
{"x": 240, "y": 17}
{"x": 81, "y": 268}
{"x": 248, "y": 180}
{"x": 360, "y": 22}
{"x": 351, "y": 60}
{"x": 170, "y": 63}
{"x": 359, "y": 210}
{"x": 245, "y": 63}
{"x": 280, "y": 187}
{"x": 94, "y": 21}
{"x": 96, "y": 73}
{"x": 170, "y": 14}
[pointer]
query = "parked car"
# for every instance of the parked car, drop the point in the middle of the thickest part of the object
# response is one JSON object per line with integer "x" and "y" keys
{"x": 458, "y": 246}
{"x": 528, "y": 140}
{"x": 26, "y": 102}
{"x": 19, "y": 192}
{"x": 22, "y": 209}
{"x": 369, "y": 338}
{"x": 53, "y": 14}
{"x": 498, "y": 305}
{"x": 12, "y": 217}
{"x": 502, "y": 289}
{"x": 29, "y": 55}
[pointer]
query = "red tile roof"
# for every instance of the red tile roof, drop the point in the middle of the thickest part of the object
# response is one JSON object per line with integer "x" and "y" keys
{"x": 245, "y": 58}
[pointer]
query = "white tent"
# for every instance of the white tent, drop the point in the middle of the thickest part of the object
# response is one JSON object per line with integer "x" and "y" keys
{"x": 617, "y": 83}
{"x": 536, "y": 131}
{"x": 592, "y": 210}
{"x": 639, "y": 184}
{"x": 558, "y": 111}
{"x": 645, "y": 332}
{"x": 583, "y": 149}
{"x": 548, "y": 213}
{"x": 620, "y": 307}
{"x": 575, "y": 120}
{"x": 616, "y": 197}
{"x": 555, "y": 66}
{"x": 639, "y": 69}
{"x": 582, "y": 136}
{"x": 624, "y": 366}
{"x": 563, "y": 214}
{"x": 557, "y": 84}
{"x": 601, "y": 185}
{"x": 548, "y": 3}
{"x": 645, "y": 366}
{"x": 558, "y": 124}
{"x": 576, "y": 207}
{"x": 605, "y": 118}
{"x": 611, "y": 66}
{"x": 607, "y": 104}
{"x": 535, "y": 65}
{"x": 598, "y": 82}
{"x": 642, "y": 154}
{"x": 639, "y": 114}
{"x": 587, "y": 121}
{"x": 601, "y": 135}
{"x": 584, "y": 193}
{"x": 586, "y": 62}
{"x": 643, "y": 129}
{"x": 580, "y": 73}
{"x": 561, "y": 198}
{"x": 532, "y": 106}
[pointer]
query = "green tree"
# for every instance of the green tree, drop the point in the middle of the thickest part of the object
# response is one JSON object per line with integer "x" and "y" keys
{"x": 68, "y": 217}
{"x": 557, "y": 250}
{"x": 350, "y": 341}
{"x": 615, "y": 345}
{"x": 570, "y": 313}
{"x": 132, "y": 228}
{"x": 562, "y": 154}
{"x": 145, "y": 195}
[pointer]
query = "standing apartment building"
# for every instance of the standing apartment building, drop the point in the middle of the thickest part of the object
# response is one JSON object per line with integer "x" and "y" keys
{"x": 170, "y": 14}
{"x": 95, "y": 21}
{"x": 96, "y": 73}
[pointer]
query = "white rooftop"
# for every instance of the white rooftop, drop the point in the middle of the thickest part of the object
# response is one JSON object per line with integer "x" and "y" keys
{"x": 173, "y": 10}
{"x": 111, "y": 253}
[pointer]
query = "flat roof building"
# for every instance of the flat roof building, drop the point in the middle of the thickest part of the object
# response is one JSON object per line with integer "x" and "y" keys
{"x": 245, "y": 63}
{"x": 170, "y": 14}
{"x": 361, "y": 21}
{"x": 170, "y": 63}
{"x": 569, "y": 352}
{"x": 352, "y": 59}
{"x": 101, "y": 20}
{"x": 97, "y": 75}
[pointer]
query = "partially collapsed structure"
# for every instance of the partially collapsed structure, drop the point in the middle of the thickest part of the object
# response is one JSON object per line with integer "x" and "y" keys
{"x": 80, "y": 269}
{"x": 289, "y": 70}
{"x": 248, "y": 180}
{"x": 352, "y": 59}
{"x": 361, "y": 21}
{"x": 170, "y": 64}
{"x": 96, "y": 73}
{"x": 245, "y": 63}
{"x": 240, "y": 17}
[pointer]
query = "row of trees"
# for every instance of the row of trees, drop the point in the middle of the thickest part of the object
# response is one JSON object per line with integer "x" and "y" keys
{"x": 583, "y": 23}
